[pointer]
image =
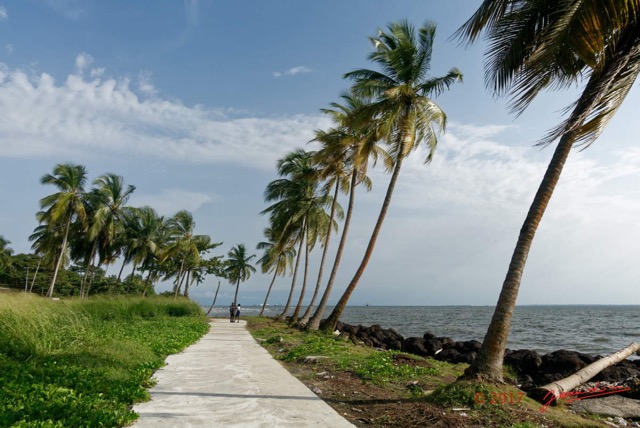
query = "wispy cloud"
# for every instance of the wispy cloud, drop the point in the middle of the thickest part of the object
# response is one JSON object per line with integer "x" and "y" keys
{"x": 167, "y": 200}
{"x": 89, "y": 114}
{"x": 3, "y": 13}
{"x": 293, "y": 71}
{"x": 9, "y": 48}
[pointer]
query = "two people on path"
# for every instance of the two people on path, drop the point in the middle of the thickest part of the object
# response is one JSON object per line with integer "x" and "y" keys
{"x": 234, "y": 313}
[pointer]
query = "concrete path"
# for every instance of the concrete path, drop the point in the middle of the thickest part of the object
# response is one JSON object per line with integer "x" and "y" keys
{"x": 226, "y": 379}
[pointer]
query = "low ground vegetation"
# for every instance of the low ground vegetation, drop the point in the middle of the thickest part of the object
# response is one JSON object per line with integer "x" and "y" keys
{"x": 76, "y": 363}
{"x": 371, "y": 387}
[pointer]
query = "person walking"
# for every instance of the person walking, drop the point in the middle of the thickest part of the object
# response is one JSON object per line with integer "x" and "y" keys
{"x": 238, "y": 313}
{"x": 232, "y": 312}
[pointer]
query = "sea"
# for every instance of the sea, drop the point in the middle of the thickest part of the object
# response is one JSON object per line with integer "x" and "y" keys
{"x": 591, "y": 329}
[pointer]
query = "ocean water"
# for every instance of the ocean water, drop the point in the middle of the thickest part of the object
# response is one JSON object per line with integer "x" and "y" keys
{"x": 592, "y": 329}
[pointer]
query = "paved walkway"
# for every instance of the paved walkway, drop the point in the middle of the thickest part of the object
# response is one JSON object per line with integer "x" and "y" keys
{"x": 226, "y": 379}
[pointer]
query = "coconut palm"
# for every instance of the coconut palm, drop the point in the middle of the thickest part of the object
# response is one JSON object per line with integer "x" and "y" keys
{"x": 297, "y": 212}
{"x": 344, "y": 159}
{"x": 183, "y": 247}
{"x": 535, "y": 45}
{"x": 404, "y": 114}
{"x": 63, "y": 207}
{"x": 107, "y": 222}
{"x": 142, "y": 238}
{"x": 238, "y": 268}
{"x": 276, "y": 258}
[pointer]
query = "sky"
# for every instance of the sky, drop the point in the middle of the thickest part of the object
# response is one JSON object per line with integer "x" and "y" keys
{"x": 194, "y": 101}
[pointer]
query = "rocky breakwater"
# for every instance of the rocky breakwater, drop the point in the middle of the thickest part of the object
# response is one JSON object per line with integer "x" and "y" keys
{"x": 531, "y": 368}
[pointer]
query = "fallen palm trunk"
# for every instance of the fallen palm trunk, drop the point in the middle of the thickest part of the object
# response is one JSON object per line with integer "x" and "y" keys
{"x": 549, "y": 393}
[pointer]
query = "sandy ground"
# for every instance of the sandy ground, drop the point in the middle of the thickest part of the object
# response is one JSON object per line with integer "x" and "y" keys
{"x": 226, "y": 379}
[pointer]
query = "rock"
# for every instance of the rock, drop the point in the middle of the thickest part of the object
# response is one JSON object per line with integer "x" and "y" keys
{"x": 316, "y": 390}
{"x": 618, "y": 373}
{"x": 523, "y": 361}
{"x": 432, "y": 345}
{"x": 610, "y": 405}
{"x": 620, "y": 422}
{"x": 313, "y": 359}
{"x": 415, "y": 345}
{"x": 635, "y": 424}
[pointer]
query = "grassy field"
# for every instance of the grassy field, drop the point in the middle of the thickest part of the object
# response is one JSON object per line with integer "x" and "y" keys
{"x": 76, "y": 363}
{"x": 391, "y": 389}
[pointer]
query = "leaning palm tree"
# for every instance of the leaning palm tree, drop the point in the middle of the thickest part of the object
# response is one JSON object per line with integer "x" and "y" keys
{"x": 63, "y": 207}
{"x": 535, "y": 45}
{"x": 276, "y": 258}
{"x": 238, "y": 268}
{"x": 405, "y": 116}
{"x": 343, "y": 159}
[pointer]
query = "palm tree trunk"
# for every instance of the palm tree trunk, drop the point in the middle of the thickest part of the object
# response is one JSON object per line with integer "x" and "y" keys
{"x": 331, "y": 322}
{"x": 124, "y": 262}
{"x": 135, "y": 265}
{"x": 235, "y": 296}
{"x": 33, "y": 281}
{"x": 186, "y": 284}
{"x": 60, "y": 258}
{"x": 266, "y": 299}
{"x": 488, "y": 364}
{"x": 314, "y": 322}
{"x": 93, "y": 275}
{"x": 553, "y": 391}
{"x": 92, "y": 257}
{"x": 214, "y": 299}
{"x": 177, "y": 289}
{"x": 307, "y": 314}
{"x": 283, "y": 315}
{"x": 146, "y": 284}
{"x": 296, "y": 311}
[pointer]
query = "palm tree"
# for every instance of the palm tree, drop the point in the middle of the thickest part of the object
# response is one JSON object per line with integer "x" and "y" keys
{"x": 183, "y": 247}
{"x": 238, "y": 268}
{"x": 404, "y": 114}
{"x": 535, "y": 45}
{"x": 297, "y": 211}
{"x": 108, "y": 218}
{"x": 65, "y": 206}
{"x": 5, "y": 253}
{"x": 143, "y": 238}
{"x": 276, "y": 258}
{"x": 344, "y": 158}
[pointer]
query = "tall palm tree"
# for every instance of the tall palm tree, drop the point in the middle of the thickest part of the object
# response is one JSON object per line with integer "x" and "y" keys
{"x": 64, "y": 206}
{"x": 183, "y": 247}
{"x": 107, "y": 221}
{"x": 402, "y": 109}
{"x": 298, "y": 209}
{"x": 535, "y": 45}
{"x": 143, "y": 238}
{"x": 344, "y": 158}
{"x": 276, "y": 258}
{"x": 238, "y": 268}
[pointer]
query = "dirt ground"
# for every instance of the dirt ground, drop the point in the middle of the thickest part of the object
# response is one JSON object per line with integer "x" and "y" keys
{"x": 369, "y": 405}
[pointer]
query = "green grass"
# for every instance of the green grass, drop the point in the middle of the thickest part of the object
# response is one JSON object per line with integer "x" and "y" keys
{"x": 84, "y": 363}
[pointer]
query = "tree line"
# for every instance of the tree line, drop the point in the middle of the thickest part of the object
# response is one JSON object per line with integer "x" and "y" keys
{"x": 81, "y": 232}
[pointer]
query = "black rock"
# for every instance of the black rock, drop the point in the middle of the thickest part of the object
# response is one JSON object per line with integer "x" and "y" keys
{"x": 415, "y": 345}
{"x": 523, "y": 361}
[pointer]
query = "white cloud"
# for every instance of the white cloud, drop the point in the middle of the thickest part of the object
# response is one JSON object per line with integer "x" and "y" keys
{"x": 9, "y": 48}
{"x": 145, "y": 84}
{"x": 97, "y": 116}
{"x": 83, "y": 61}
{"x": 167, "y": 200}
{"x": 3, "y": 13}
{"x": 293, "y": 71}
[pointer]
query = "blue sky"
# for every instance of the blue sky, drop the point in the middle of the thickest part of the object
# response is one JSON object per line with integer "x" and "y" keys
{"x": 193, "y": 102}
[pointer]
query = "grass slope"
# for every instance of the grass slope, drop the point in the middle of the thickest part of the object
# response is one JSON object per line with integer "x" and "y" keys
{"x": 371, "y": 387}
{"x": 84, "y": 363}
